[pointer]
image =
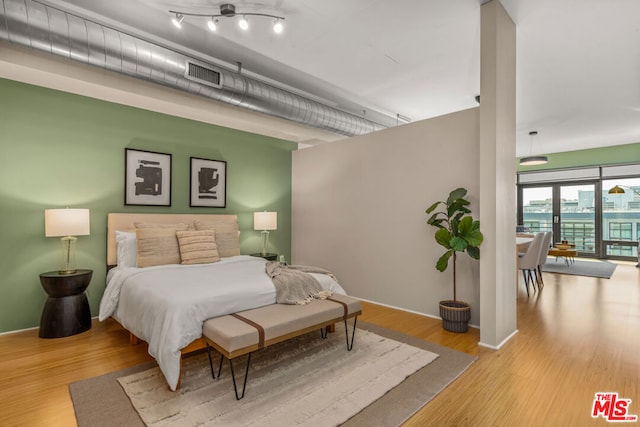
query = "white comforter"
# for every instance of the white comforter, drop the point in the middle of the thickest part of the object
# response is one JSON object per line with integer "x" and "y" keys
{"x": 166, "y": 305}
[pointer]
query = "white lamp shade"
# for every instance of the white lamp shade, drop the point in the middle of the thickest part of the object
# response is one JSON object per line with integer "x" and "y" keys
{"x": 265, "y": 220}
{"x": 66, "y": 222}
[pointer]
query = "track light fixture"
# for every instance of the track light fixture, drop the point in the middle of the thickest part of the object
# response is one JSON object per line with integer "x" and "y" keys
{"x": 243, "y": 23}
{"x": 228, "y": 10}
{"x": 277, "y": 26}
{"x": 177, "y": 20}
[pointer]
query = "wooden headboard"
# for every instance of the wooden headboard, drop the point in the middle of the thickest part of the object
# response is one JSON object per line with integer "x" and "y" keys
{"x": 125, "y": 222}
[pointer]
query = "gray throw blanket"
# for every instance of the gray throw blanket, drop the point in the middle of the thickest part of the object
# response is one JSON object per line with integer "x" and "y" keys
{"x": 293, "y": 283}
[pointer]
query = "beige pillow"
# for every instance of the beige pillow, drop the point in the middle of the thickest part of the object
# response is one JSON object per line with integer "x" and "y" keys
{"x": 177, "y": 226}
{"x": 227, "y": 236}
{"x": 157, "y": 246}
{"x": 198, "y": 247}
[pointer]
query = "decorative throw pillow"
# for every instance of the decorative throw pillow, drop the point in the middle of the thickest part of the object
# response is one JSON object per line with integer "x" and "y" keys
{"x": 197, "y": 247}
{"x": 127, "y": 248}
{"x": 177, "y": 226}
{"x": 227, "y": 236}
{"x": 157, "y": 246}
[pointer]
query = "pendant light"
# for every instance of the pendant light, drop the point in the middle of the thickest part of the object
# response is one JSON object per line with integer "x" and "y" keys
{"x": 533, "y": 160}
{"x": 616, "y": 190}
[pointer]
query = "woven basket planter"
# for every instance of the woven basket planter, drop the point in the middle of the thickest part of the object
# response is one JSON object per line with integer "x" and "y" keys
{"x": 455, "y": 315}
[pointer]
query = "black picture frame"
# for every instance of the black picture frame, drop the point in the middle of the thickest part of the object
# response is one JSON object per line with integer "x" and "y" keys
{"x": 208, "y": 183}
{"x": 147, "y": 178}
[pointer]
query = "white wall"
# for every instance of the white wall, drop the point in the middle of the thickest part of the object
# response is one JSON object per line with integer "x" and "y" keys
{"x": 359, "y": 210}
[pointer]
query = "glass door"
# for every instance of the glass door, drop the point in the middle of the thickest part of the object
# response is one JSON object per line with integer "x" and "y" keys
{"x": 569, "y": 210}
{"x": 577, "y": 222}
{"x": 537, "y": 209}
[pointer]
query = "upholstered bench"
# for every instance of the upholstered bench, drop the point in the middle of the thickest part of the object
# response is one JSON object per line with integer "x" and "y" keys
{"x": 243, "y": 333}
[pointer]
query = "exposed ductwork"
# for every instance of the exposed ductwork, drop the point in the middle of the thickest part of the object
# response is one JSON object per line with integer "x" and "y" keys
{"x": 35, "y": 25}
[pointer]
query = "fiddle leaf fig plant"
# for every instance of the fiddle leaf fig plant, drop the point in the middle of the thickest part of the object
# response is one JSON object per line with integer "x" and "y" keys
{"x": 457, "y": 230}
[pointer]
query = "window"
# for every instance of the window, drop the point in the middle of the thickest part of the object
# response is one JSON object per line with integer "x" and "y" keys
{"x": 597, "y": 208}
{"x": 620, "y": 231}
{"x": 580, "y": 233}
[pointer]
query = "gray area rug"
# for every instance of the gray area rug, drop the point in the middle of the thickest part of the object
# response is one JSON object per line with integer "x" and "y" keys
{"x": 101, "y": 401}
{"x": 602, "y": 269}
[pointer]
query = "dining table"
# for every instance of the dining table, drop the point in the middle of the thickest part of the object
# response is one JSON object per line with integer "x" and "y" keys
{"x": 522, "y": 242}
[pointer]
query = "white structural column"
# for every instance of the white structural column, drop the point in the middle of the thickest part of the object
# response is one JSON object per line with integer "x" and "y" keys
{"x": 497, "y": 175}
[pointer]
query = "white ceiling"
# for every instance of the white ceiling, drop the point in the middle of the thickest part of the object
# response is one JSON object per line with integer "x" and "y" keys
{"x": 578, "y": 61}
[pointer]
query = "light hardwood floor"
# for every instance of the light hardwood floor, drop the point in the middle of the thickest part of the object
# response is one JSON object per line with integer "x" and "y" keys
{"x": 577, "y": 337}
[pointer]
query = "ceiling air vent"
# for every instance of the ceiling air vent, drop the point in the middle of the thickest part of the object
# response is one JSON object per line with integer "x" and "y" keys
{"x": 203, "y": 75}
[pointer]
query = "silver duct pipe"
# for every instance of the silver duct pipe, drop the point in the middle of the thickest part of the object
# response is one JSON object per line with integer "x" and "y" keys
{"x": 35, "y": 25}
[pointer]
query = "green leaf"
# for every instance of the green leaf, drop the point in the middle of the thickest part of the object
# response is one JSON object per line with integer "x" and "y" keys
{"x": 458, "y": 193}
{"x": 458, "y": 244}
{"x": 432, "y": 207}
{"x": 443, "y": 261}
{"x": 435, "y": 219}
{"x": 454, "y": 227}
{"x": 474, "y": 238}
{"x": 443, "y": 237}
{"x": 457, "y": 209}
{"x": 474, "y": 252}
{"x": 465, "y": 226}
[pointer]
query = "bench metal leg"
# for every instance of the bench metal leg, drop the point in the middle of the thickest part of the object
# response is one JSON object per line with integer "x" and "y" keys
{"x": 213, "y": 374}
{"x": 233, "y": 377}
{"x": 353, "y": 334}
{"x": 233, "y": 374}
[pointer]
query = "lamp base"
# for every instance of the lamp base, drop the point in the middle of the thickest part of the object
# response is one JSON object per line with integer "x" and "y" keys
{"x": 68, "y": 260}
{"x": 265, "y": 242}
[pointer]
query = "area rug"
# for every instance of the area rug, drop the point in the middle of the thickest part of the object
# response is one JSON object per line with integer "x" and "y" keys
{"x": 602, "y": 269}
{"x": 101, "y": 401}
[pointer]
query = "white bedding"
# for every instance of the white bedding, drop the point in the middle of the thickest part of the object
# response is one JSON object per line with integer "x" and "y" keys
{"x": 166, "y": 305}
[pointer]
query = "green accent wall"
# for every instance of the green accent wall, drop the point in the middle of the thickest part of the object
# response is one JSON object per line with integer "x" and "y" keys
{"x": 628, "y": 153}
{"x": 58, "y": 149}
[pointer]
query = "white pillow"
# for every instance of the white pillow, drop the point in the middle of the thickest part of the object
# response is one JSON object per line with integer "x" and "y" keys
{"x": 127, "y": 248}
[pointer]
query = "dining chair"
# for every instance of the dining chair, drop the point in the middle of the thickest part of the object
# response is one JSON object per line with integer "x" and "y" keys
{"x": 542, "y": 257}
{"x": 528, "y": 262}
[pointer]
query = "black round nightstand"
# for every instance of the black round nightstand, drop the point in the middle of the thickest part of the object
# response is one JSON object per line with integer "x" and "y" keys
{"x": 267, "y": 256}
{"x": 67, "y": 310}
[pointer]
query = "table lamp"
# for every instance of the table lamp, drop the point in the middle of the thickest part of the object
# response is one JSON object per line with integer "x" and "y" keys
{"x": 265, "y": 221}
{"x": 67, "y": 223}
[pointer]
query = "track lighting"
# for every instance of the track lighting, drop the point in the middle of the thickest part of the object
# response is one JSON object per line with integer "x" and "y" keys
{"x": 278, "y": 27}
{"x": 227, "y": 10}
{"x": 243, "y": 24}
{"x": 177, "y": 20}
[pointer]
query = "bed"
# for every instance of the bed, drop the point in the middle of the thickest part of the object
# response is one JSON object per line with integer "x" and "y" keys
{"x": 166, "y": 303}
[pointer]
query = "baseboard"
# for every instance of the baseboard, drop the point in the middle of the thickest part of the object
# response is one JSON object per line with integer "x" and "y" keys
{"x": 499, "y": 346}
{"x": 408, "y": 311}
{"x": 29, "y": 329}
{"x": 19, "y": 330}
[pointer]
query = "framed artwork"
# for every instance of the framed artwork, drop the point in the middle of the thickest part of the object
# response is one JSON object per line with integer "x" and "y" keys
{"x": 208, "y": 185}
{"x": 147, "y": 178}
